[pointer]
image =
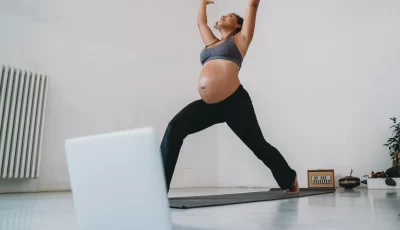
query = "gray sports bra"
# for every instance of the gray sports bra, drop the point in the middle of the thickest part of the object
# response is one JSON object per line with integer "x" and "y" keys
{"x": 227, "y": 50}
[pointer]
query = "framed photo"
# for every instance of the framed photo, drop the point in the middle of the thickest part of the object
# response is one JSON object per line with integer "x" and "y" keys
{"x": 321, "y": 178}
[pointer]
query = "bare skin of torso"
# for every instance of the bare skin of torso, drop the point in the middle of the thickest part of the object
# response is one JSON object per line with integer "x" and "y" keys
{"x": 220, "y": 78}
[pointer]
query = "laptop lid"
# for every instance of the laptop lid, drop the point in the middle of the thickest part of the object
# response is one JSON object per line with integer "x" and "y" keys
{"x": 117, "y": 181}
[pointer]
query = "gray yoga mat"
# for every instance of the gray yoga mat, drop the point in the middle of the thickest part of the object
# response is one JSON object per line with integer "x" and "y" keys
{"x": 240, "y": 198}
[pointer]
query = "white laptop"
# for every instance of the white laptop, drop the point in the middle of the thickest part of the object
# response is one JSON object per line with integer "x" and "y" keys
{"x": 117, "y": 181}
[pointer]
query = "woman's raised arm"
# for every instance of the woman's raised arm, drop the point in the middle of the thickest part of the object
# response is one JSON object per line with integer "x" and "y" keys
{"x": 250, "y": 21}
{"x": 206, "y": 34}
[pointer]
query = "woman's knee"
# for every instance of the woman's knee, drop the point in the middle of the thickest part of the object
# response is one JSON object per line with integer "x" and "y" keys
{"x": 172, "y": 140}
{"x": 175, "y": 129}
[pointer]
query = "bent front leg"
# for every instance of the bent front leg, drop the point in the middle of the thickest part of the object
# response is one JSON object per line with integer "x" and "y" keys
{"x": 193, "y": 118}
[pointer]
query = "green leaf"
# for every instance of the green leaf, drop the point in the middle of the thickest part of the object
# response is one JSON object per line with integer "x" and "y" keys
{"x": 393, "y": 143}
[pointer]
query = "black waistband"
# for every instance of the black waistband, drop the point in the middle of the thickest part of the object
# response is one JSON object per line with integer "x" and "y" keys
{"x": 238, "y": 92}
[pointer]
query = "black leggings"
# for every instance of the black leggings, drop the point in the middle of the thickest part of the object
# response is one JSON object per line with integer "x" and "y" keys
{"x": 238, "y": 112}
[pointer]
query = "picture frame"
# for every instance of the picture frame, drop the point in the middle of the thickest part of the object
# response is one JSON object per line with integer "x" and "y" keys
{"x": 321, "y": 178}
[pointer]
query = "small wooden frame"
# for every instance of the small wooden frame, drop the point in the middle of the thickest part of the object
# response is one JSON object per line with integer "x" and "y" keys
{"x": 321, "y": 178}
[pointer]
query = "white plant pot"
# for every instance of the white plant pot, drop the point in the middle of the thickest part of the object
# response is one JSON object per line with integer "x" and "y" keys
{"x": 379, "y": 183}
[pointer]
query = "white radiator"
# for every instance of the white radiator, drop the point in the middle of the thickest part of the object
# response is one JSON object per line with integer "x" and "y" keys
{"x": 23, "y": 96}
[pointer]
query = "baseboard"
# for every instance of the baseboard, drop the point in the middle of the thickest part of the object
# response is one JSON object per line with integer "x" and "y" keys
{"x": 33, "y": 192}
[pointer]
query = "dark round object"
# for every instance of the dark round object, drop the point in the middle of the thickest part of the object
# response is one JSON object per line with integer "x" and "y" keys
{"x": 349, "y": 182}
{"x": 393, "y": 171}
{"x": 389, "y": 181}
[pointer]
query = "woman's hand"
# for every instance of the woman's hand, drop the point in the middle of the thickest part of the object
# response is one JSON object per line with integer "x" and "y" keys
{"x": 208, "y": 2}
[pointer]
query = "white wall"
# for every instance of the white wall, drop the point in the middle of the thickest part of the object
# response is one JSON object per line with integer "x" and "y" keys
{"x": 319, "y": 73}
{"x": 114, "y": 65}
{"x": 324, "y": 77}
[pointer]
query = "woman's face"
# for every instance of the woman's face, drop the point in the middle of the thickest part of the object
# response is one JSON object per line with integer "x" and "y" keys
{"x": 228, "y": 21}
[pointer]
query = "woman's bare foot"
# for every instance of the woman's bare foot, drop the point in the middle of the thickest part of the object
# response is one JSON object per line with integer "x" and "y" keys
{"x": 295, "y": 188}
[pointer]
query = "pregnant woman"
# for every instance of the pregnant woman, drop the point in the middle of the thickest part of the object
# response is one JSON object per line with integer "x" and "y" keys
{"x": 223, "y": 98}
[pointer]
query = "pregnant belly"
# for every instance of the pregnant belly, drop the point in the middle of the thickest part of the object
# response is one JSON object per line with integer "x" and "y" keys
{"x": 218, "y": 80}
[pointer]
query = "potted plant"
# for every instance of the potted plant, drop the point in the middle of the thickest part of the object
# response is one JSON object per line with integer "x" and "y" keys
{"x": 391, "y": 178}
{"x": 394, "y": 143}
